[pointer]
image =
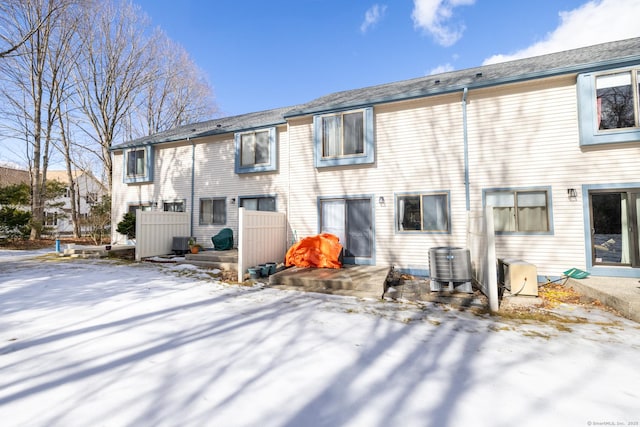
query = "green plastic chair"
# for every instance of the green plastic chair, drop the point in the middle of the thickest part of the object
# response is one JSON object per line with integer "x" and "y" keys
{"x": 223, "y": 241}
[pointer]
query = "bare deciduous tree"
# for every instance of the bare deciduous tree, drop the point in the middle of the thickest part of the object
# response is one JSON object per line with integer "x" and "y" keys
{"x": 79, "y": 75}
{"x": 29, "y": 95}
{"x": 111, "y": 71}
{"x": 14, "y": 32}
{"x": 179, "y": 94}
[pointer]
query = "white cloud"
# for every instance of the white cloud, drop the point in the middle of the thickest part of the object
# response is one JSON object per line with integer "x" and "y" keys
{"x": 443, "y": 68}
{"x": 372, "y": 17}
{"x": 597, "y": 21}
{"x": 434, "y": 16}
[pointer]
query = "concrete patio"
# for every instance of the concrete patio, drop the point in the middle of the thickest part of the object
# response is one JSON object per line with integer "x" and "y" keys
{"x": 366, "y": 281}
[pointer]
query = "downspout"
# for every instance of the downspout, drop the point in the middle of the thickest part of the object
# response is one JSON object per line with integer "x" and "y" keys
{"x": 466, "y": 149}
{"x": 193, "y": 180}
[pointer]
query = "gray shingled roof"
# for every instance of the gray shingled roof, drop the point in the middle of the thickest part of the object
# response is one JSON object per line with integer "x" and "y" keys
{"x": 213, "y": 127}
{"x": 591, "y": 58}
{"x": 571, "y": 61}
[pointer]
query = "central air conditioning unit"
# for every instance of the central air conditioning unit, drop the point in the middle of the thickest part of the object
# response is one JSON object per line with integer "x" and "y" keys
{"x": 180, "y": 245}
{"x": 519, "y": 277}
{"x": 450, "y": 266}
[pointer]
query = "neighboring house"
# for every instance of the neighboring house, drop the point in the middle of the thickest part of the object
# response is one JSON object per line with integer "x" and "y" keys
{"x": 89, "y": 191}
{"x": 11, "y": 176}
{"x": 551, "y": 142}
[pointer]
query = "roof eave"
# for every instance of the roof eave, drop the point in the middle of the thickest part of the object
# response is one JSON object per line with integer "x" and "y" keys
{"x": 573, "y": 69}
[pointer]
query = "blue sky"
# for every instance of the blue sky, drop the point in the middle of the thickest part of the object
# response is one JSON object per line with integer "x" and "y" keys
{"x": 267, "y": 54}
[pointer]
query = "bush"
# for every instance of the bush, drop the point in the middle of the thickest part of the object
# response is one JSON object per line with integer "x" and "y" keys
{"x": 14, "y": 223}
{"x": 128, "y": 225}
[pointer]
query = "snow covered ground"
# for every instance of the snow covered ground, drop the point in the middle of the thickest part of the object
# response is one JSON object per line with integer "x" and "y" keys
{"x": 109, "y": 343}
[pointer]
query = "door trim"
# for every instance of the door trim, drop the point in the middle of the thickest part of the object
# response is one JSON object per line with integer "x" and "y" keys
{"x": 371, "y": 198}
{"x": 599, "y": 270}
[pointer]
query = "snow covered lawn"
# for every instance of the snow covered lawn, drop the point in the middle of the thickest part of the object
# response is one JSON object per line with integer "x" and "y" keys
{"x": 108, "y": 343}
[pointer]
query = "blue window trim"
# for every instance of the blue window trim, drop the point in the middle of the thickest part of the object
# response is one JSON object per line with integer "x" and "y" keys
{"x": 525, "y": 233}
{"x": 371, "y": 197}
{"x": 273, "y": 157}
{"x": 366, "y": 158}
{"x": 613, "y": 271}
{"x": 587, "y": 119}
{"x": 148, "y": 156}
{"x": 421, "y": 193}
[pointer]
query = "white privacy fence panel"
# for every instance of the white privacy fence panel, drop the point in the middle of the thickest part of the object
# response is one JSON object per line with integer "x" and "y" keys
{"x": 262, "y": 238}
{"x": 481, "y": 243}
{"x": 155, "y": 231}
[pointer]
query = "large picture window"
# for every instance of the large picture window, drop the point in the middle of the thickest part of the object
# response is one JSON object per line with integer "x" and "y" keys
{"x": 519, "y": 211}
{"x": 213, "y": 211}
{"x": 344, "y": 138}
{"x": 423, "y": 212}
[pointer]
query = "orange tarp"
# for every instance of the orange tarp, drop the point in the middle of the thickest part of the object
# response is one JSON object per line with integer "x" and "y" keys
{"x": 321, "y": 251}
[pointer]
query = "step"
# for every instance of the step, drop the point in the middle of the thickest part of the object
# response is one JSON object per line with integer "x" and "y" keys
{"x": 213, "y": 256}
{"x": 220, "y": 265}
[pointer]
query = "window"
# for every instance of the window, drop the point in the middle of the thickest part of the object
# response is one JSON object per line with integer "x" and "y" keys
{"x": 519, "y": 211}
{"x": 135, "y": 163}
{"x": 144, "y": 207}
{"x": 92, "y": 198}
{"x": 177, "y": 206}
{"x": 615, "y": 101}
{"x": 254, "y": 148}
{"x": 342, "y": 134}
{"x": 344, "y": 138}
{"x": 213, "y": 211}
{"x": 138, "y": 165}
{"x": 423, "y": 212}
{"x": 608, "y": 105}
{"x": 51, "y": 218}
{"x": 267, "y": 203}
{"x": 256, "y": 151}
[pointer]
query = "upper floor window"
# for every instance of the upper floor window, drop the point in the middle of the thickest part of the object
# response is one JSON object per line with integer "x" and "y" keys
{"x": 256, "y": 151}
{"x": 92, "y": 198}
{"x": 213, "y": 211}
{"x": 138, "y": 165}
{"x": 423, "y": 212}
{"x": 342, "y": 134}
{"x": 266, "y": 203}
{"x": 344, "y": 138}
{"x": 609, "y": 107}
{"x": 50, "y": 218}
{"x": 519, "y": 210}
{"x": 616, "y": 100}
